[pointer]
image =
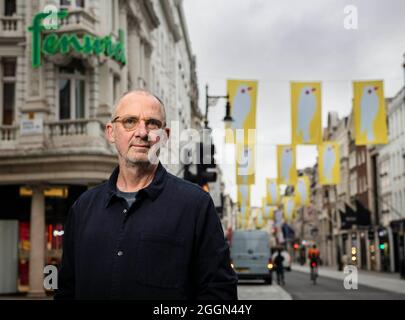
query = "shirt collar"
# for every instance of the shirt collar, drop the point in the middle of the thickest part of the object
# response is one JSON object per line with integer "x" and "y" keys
{"x": 152, "y": 190}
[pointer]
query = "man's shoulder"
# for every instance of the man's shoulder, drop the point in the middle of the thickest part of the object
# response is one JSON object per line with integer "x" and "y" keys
{"x": 184, "y": 188}
{"x": 94, "y": 193}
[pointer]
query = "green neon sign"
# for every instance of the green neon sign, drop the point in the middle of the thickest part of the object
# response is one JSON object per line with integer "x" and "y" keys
{"x": 53, "y": 43}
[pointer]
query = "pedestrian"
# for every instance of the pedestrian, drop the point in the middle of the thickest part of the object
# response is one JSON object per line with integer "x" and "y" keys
{"x": 144, "y": 233}
{"x": 278, "y": 261}
{"x": 302, "y": 255}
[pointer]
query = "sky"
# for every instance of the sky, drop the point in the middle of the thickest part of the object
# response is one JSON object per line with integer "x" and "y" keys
{"x": 278, "y": 41}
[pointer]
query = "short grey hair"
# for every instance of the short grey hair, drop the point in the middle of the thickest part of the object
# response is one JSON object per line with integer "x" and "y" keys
{"x": 141, "y": 91}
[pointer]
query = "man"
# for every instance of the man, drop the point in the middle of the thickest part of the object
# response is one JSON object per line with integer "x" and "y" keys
{"x": 279, "y": 264}
{"x": 144, "y": 234}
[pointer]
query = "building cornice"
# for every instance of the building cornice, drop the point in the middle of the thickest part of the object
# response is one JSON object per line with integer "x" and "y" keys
{"x": 169, "y": 15}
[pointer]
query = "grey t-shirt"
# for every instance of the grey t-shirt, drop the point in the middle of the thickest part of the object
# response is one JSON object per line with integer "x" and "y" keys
{"x": 130, "y": 197}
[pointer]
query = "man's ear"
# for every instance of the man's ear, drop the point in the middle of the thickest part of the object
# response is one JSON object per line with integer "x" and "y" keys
{"x": 167, "y": 130}
{"x": 109, "y": 132}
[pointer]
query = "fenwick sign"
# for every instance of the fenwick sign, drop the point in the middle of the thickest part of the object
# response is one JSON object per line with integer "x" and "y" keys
{"x": 89, "y": 45}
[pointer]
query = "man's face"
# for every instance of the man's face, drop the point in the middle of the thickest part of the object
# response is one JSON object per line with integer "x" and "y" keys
{"x": 136, "y": 127}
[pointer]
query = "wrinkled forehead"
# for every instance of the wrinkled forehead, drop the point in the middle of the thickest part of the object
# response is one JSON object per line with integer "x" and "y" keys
{"x": 141, "y": 105}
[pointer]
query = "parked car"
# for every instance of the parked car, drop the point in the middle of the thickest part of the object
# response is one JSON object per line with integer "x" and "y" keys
{"x": 251, "y": 255}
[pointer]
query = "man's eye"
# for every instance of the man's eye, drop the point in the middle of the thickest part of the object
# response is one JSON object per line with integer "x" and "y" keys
{"x": 130, "y": 121}
{"x": 154, "y": 123}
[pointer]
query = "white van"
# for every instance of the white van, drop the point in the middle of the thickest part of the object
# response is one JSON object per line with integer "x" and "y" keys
{"x": 251, "y": 255}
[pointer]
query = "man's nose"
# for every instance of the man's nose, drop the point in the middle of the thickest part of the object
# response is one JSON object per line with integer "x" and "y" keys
{"x": 141, "y": 130}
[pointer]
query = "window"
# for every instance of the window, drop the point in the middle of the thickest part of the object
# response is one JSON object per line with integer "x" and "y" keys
{"x": 10, "y": 7}
{"x": 8, "y": 90}
{"x": 114, "y": 15}
{"x": 402, "y": 160}
{"x": 73, "y": 3}
{"x": 72, "y": 91}
{"x": 116, "y": 89}
{"x": 353, "y": 183}
{"x": 352, "y": 160}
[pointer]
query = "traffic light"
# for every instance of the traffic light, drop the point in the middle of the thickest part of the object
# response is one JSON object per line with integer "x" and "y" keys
{"x": 206, "y": 161}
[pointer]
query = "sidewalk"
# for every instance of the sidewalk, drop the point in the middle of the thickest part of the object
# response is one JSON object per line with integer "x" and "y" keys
{"x": 262, "y": 292}
{"x": 389, "y": 282}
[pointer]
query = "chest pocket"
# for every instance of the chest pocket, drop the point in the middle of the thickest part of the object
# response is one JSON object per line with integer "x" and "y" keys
{"x": 160, "y": 261}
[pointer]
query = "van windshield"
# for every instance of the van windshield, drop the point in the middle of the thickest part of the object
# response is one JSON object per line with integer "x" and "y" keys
{"x": 243, "y": 245}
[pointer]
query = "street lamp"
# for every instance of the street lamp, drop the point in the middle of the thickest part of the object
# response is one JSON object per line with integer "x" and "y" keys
{"x": 228, "y": 118}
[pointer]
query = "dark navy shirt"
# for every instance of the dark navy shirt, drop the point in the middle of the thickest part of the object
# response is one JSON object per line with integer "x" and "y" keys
{"x": 168, "y": 245}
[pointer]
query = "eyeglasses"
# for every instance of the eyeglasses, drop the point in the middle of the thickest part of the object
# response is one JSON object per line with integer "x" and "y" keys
{"x": 131, "y": 123}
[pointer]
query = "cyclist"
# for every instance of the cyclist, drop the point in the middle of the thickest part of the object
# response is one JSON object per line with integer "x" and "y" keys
{"x": 313, "y": 255}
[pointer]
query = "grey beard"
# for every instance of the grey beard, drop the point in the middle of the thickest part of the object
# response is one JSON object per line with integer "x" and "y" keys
{"x": 145, "y": 164}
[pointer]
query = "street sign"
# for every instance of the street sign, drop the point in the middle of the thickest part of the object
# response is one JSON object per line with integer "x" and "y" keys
{"x": 31, "y": 126}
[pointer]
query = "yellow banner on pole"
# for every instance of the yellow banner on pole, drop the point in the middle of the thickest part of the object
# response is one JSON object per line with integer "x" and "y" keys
{"x": 239, "y": 221}
{"x": 243, "y": 97}
{"x": 243, "y": 195}
{"x": 306, "y": 113}
{"x": 302, "y": 191}
{"x": 329, "y": 163}
{"x": 245, "y": 164}
{"x": 260, "y": 221}
{"x": 289, "y": 208}
{"x": 286, "y": 165}
{"x": 245, "y": 216}
{"x": 268, "y": 211}
{"x": 272, "y": 192}
{"x": 370, "y": 119}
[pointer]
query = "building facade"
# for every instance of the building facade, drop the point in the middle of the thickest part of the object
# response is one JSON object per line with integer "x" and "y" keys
{"x": 391, "y": 185}
{"x": 57, "y": 92}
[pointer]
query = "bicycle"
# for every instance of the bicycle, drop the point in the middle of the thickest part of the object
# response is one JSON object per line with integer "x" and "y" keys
{"x": 314, "y": 272}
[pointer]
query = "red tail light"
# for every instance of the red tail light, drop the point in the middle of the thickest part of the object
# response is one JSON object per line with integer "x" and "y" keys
{"x": 313, "y": 264}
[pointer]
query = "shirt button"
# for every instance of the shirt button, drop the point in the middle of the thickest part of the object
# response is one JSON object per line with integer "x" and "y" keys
{"x": 120, "y": 253}
{"x": 125, "y": 210}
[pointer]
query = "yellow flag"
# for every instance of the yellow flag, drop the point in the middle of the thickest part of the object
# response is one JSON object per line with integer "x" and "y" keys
{"x": 370, "y": 119}
{"x": 289, "y": 208}
{"x": 239, "y": 221}
{"x": 242, "y": 96}
{"x": 245, "y": 164}
{"x": 264, "y": 202}
{"x": 302, "y": 193}
{"x": 329, "y": 163}
{"x": 268, "y": 211}
{"x": 286, "y": 167}
{"x": 260, "y": 220}
{"x": 272, "y": 192}
{"x": 243, "y": 195}
{"x": 306, "y": 113}
{"x": 245, "y": 216}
